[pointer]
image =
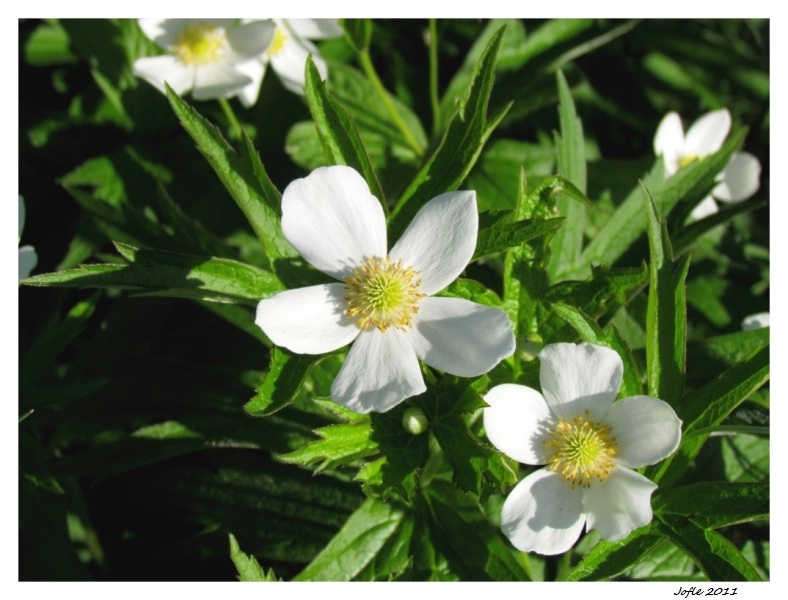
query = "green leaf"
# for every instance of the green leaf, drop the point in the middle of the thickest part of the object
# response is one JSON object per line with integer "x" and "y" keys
{"x": 590, "y": 332}
{"x": 358, "y": 32}
{"x": 501, "y": 235}
{"x": 707, "y": 407}
{"x": 567, "y": 245}
{"x": 461, "y": 145}
{"x": 630, "y": 221}
{"x": 49, "y": 45}
{"x": 718, "y": 558}
{"x": 244, "y": 177}
{"x": 50, "y": 342}
{"x": 360, "y": 542}
{"x": 686, "y": 237}
{"x": 247, "y": 566}
{"x": 722, "y": 504}
{"x": 339, "y": 444}
{"x": 609, "y": 559}
{"x": 706, "y": 358}
{"x": 338, "y": 132}
{"x": 282, "y": 383}
{"x": 666, "y": 317}
{"x": 476, "y": 466}
{"x": 169, "y": 274}
{"x": 459, "y": 529}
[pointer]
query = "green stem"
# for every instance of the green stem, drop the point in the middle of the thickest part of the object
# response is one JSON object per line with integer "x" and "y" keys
{"x": 434, "y": 74}
{"x": 369, "y": 69}
{"x": 236, "y": 131}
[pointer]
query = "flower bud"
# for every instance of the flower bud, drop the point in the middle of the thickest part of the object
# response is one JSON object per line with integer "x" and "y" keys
{"x": 415, "y": 421}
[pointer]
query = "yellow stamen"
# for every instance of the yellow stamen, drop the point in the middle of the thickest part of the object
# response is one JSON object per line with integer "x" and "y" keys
{"x": 687, "y": 160}
{"x": 383, "y": 294}
{"x": 200, "y": 44}
{"x": 582, "y": 450}
{"x": 276, "y": 45}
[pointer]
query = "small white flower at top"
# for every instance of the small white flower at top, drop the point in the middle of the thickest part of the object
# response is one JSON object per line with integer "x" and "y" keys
{"x": 384, "y": 304}
{"x": 738, "y": 181}
{"x": 27, "y": 254}
{"x": 214, "y": 58}
{"x": 589, "y": 443}
{"x": 287, "y": 54}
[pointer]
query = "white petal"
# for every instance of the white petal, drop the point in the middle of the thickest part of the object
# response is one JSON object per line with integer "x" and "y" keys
{"x": 708, "y": 133}
{"x": 315, "y": 29}
{"x": 380, "y": 371}
{"x": 218, "y": 80}
{"x": 254, "y": 70}
{"x": 308, "y": 320}
{"x": 21, "y": 215}
{"x": 441, "y": 239}
{"x": 166, "y": 32}
{"x": 27, "y": 261}
{"x": 669, "y": 141}
{"x": 543, "y": 514}
{"x": 646, "y": 429}
{"x": 740, "y": 179}
{"x": 706, "y": 207}
{"x": 158, "y": 69}
{"x": 578, "y": 378}
{"x": 517, "y": 422}
{"x": 619, "y": 504}
{"x": 290, "y": 63}
{"x": 756, "y": 321}
{"x": 251, "y": 39}
{"x": 460, "y": 337}
{"x": 333, "y": 221}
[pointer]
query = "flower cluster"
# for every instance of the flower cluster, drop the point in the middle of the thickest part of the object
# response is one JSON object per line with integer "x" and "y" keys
{"x": 385, "y": 304}
{"x": 589, "y": 443}
{"x": 738, "y": 181}
{"x": 223, "y": 58}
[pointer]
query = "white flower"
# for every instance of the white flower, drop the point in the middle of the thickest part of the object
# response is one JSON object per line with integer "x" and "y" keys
{"x": 214, "y": 58}
{"x": 588, "y": 442}
{"x": 384, "y": 304}
{"x": 738, "y": 181}
{"x": 756, "y": 321}
{"x": 27, "y": 254}
{"x": 287, "y": 53}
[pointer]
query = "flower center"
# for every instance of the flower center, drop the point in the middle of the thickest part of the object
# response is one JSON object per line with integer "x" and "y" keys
{"x": 276, "y": 45}
{"x": 687, "y": 160}
{"x": 381, "y": 293}
{"x": 581, "y": 450}
{"x": 200, "y": 44}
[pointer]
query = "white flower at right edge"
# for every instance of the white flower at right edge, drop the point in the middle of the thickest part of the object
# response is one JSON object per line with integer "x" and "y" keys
{"x": 738, "y": 181}
{"x": 28, "y": 259}
{"x": 589, "y": 443}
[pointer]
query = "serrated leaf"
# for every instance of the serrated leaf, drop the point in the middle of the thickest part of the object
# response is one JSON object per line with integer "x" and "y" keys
{"x": 338, "y": 445}
{"x": 609, "y": 559}
{"x": 718, "y": 558}
{"x": 630, "y": 221}
{"x": 359, "y": 543}
{"x": 568, "y": 242}
{"x": 474, "y": 549}
{"x": 706, "y": 358}
{"x": 666, "y": 316}
{"x": 707, "y": 407}
{"x": 169, "y": 274}
{"x": 247, "y": 566}
{"x": 244, "y": 177}
{"x": 282, "y": 382}
{"x": 501, "y": 236}
{"x": 461, "y": 144}
{"x": 338, "y": 132}
{"x": 713, "y": 505}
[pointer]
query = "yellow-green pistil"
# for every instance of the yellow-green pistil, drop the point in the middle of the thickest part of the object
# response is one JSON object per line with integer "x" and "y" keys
{"x": 381, "y": 293}
{"x": 581, "y": 450}
{"x": 687, "y": 160}
{"x": 276, "y": 45}
{"x": 199, "y": 44}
